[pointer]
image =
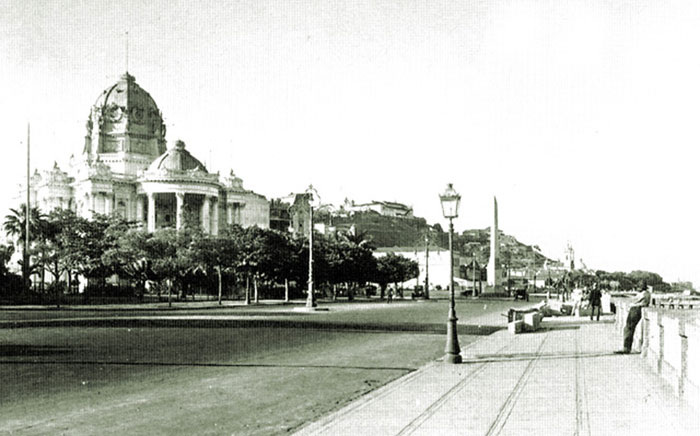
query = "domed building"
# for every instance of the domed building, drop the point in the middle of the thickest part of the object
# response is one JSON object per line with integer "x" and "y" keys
{"x": 125, "y": 168}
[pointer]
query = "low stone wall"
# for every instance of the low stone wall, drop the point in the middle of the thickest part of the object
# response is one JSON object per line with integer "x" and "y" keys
{"x": 669, "y": 342}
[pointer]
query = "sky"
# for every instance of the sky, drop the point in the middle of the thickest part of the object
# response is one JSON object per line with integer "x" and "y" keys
{"x": 581, "y": 117}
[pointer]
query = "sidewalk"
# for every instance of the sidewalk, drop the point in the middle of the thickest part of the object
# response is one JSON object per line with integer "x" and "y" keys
{"x": 562, "y": 380}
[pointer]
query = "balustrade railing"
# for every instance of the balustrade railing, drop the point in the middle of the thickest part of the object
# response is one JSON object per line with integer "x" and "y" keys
{"x": 668, "y": 340}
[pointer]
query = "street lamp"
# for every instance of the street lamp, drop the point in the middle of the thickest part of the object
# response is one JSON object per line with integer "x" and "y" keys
{"x": 313, "y": 197}
{"x": 426, "y": 294}
{"x": 450, "y": 207}
{"x": 474, "y": 291}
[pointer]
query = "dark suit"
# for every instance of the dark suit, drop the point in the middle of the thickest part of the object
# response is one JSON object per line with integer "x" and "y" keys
{"x": 594, "y": 300}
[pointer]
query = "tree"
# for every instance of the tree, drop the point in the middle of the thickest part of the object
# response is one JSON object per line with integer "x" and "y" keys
{"x": 361, "y": 239}
{"x": 248, "y": 258}
{"x": 160, "y": 256}
{"x": 395, "y": 269}
{"x": 651, "y": 279}
{"x": 214, "y": 253}
{"x": 52, "y": 246}
{"x": 128, "y": 257}
{"x": 350, "y": 260}
{"x": 15, "y": 223}
{"x": 336, "y": 257}
{"x": 6, "y": 252}
{"x": 165, "y": 250}
{"x": 86, "y": 241}
{"x": 15, "y": 227}
{"x": 10, "y": 283}
{"x": 280, "y": 257}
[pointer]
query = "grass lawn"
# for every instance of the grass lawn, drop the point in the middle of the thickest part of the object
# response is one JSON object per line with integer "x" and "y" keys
{"x": 253, "y": 381}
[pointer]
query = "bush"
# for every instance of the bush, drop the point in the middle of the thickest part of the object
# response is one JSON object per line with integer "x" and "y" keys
{"x": 109, "y": 290}
{"x": 11, "y": 284}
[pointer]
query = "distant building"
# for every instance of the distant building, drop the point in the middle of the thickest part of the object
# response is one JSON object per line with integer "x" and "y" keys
{"x": 385, "y": 208}
{"x": 280, "y": 215}
{"x": 569, "y": 258}
{"x": 291, "y": 214}
{"x": 438, "y": 266}
{"x": 125, "y": 169}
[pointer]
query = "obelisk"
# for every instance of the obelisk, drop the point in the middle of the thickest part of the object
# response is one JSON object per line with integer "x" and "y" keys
{"x": 493, "y": 270}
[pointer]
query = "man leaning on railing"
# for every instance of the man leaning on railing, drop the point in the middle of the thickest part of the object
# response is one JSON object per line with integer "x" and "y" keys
{"x": 640, "y": 301}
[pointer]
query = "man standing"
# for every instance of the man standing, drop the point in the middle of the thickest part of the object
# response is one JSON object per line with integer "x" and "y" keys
{"x": 594, "y": 300}
{"x": 640, "y": 301}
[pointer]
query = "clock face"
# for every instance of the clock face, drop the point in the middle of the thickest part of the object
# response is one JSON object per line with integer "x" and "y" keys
{"x": 137, "y": 114}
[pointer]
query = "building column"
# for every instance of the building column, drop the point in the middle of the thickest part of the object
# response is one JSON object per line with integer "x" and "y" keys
{"x": 239, "y": 212}
{"x": 179, "y": 208}
{"x": 92, "y": 204}
{"x": 151, "y": 212}
{"x": 139, "y": 210}
{"x": 215, "y": 217}
{"x": 229, "y": 213}
{"x": 206, "y": 208}
{"x": 108, "y": 203}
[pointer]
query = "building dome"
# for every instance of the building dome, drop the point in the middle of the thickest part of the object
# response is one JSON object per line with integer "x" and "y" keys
{"x": 125, "y": 119}
{"x": 126, "y": 97}
{"x": 177, "y": 159}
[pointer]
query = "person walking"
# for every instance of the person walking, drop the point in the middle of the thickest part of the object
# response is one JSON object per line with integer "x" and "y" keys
{"x": 594, "y": 300}
{"x": 577, "y": 298}
{"x": 640, "y": 301}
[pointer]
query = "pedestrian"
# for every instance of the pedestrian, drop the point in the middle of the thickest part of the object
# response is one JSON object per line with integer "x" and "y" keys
{"x": 568, "y": 285}
{"x": 594, "y": 301}
{"x": 390, "y": 295}
{"x": 640, "y": 301}
{"x": 577, "y": 299}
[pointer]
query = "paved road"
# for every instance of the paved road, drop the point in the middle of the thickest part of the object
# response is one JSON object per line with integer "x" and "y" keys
{"x": 476, "y": 317}
{"x": 82, "y": 372}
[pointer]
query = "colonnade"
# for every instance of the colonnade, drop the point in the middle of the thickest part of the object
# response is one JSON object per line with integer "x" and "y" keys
{"x": 208, "y": 212}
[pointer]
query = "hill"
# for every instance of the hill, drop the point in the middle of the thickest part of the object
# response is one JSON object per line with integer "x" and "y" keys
{"x": 387, "y": 231}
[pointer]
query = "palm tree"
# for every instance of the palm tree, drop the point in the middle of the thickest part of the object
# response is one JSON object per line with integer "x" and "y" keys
{"x": 361, "y": 239}
{"x": 6, "y": 252}
{"x": 15, "y": 223}
{"x": 15, "y": 227}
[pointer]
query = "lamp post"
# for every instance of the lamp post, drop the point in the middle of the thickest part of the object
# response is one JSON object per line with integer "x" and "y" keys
{"x": 312, "y": 195}
{"x": 426, "y": 294}
{"x": 450, "y": 207}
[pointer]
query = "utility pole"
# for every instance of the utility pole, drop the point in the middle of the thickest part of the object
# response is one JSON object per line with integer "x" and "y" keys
{"x": 25, "y": 265}
{"x": 427, "y": 255}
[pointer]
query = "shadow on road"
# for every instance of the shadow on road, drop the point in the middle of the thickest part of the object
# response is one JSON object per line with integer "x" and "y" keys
{"x": 201, "y": 364}
{"x": 428, "y": 328}
{"x": 514, "y": 357}
{"x": 13, "y": 350}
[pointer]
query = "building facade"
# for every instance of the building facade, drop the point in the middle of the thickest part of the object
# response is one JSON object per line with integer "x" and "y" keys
{"x": 385, "y": 208}
{"x": 437, "y": 261}
{"x": 125, "y": 168}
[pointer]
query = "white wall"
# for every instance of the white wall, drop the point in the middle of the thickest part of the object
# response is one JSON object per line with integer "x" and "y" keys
{"x": 438, "y": 266}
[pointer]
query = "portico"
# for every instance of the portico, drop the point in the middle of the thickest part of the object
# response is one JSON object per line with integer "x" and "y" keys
{"x": 163, "y": 205}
